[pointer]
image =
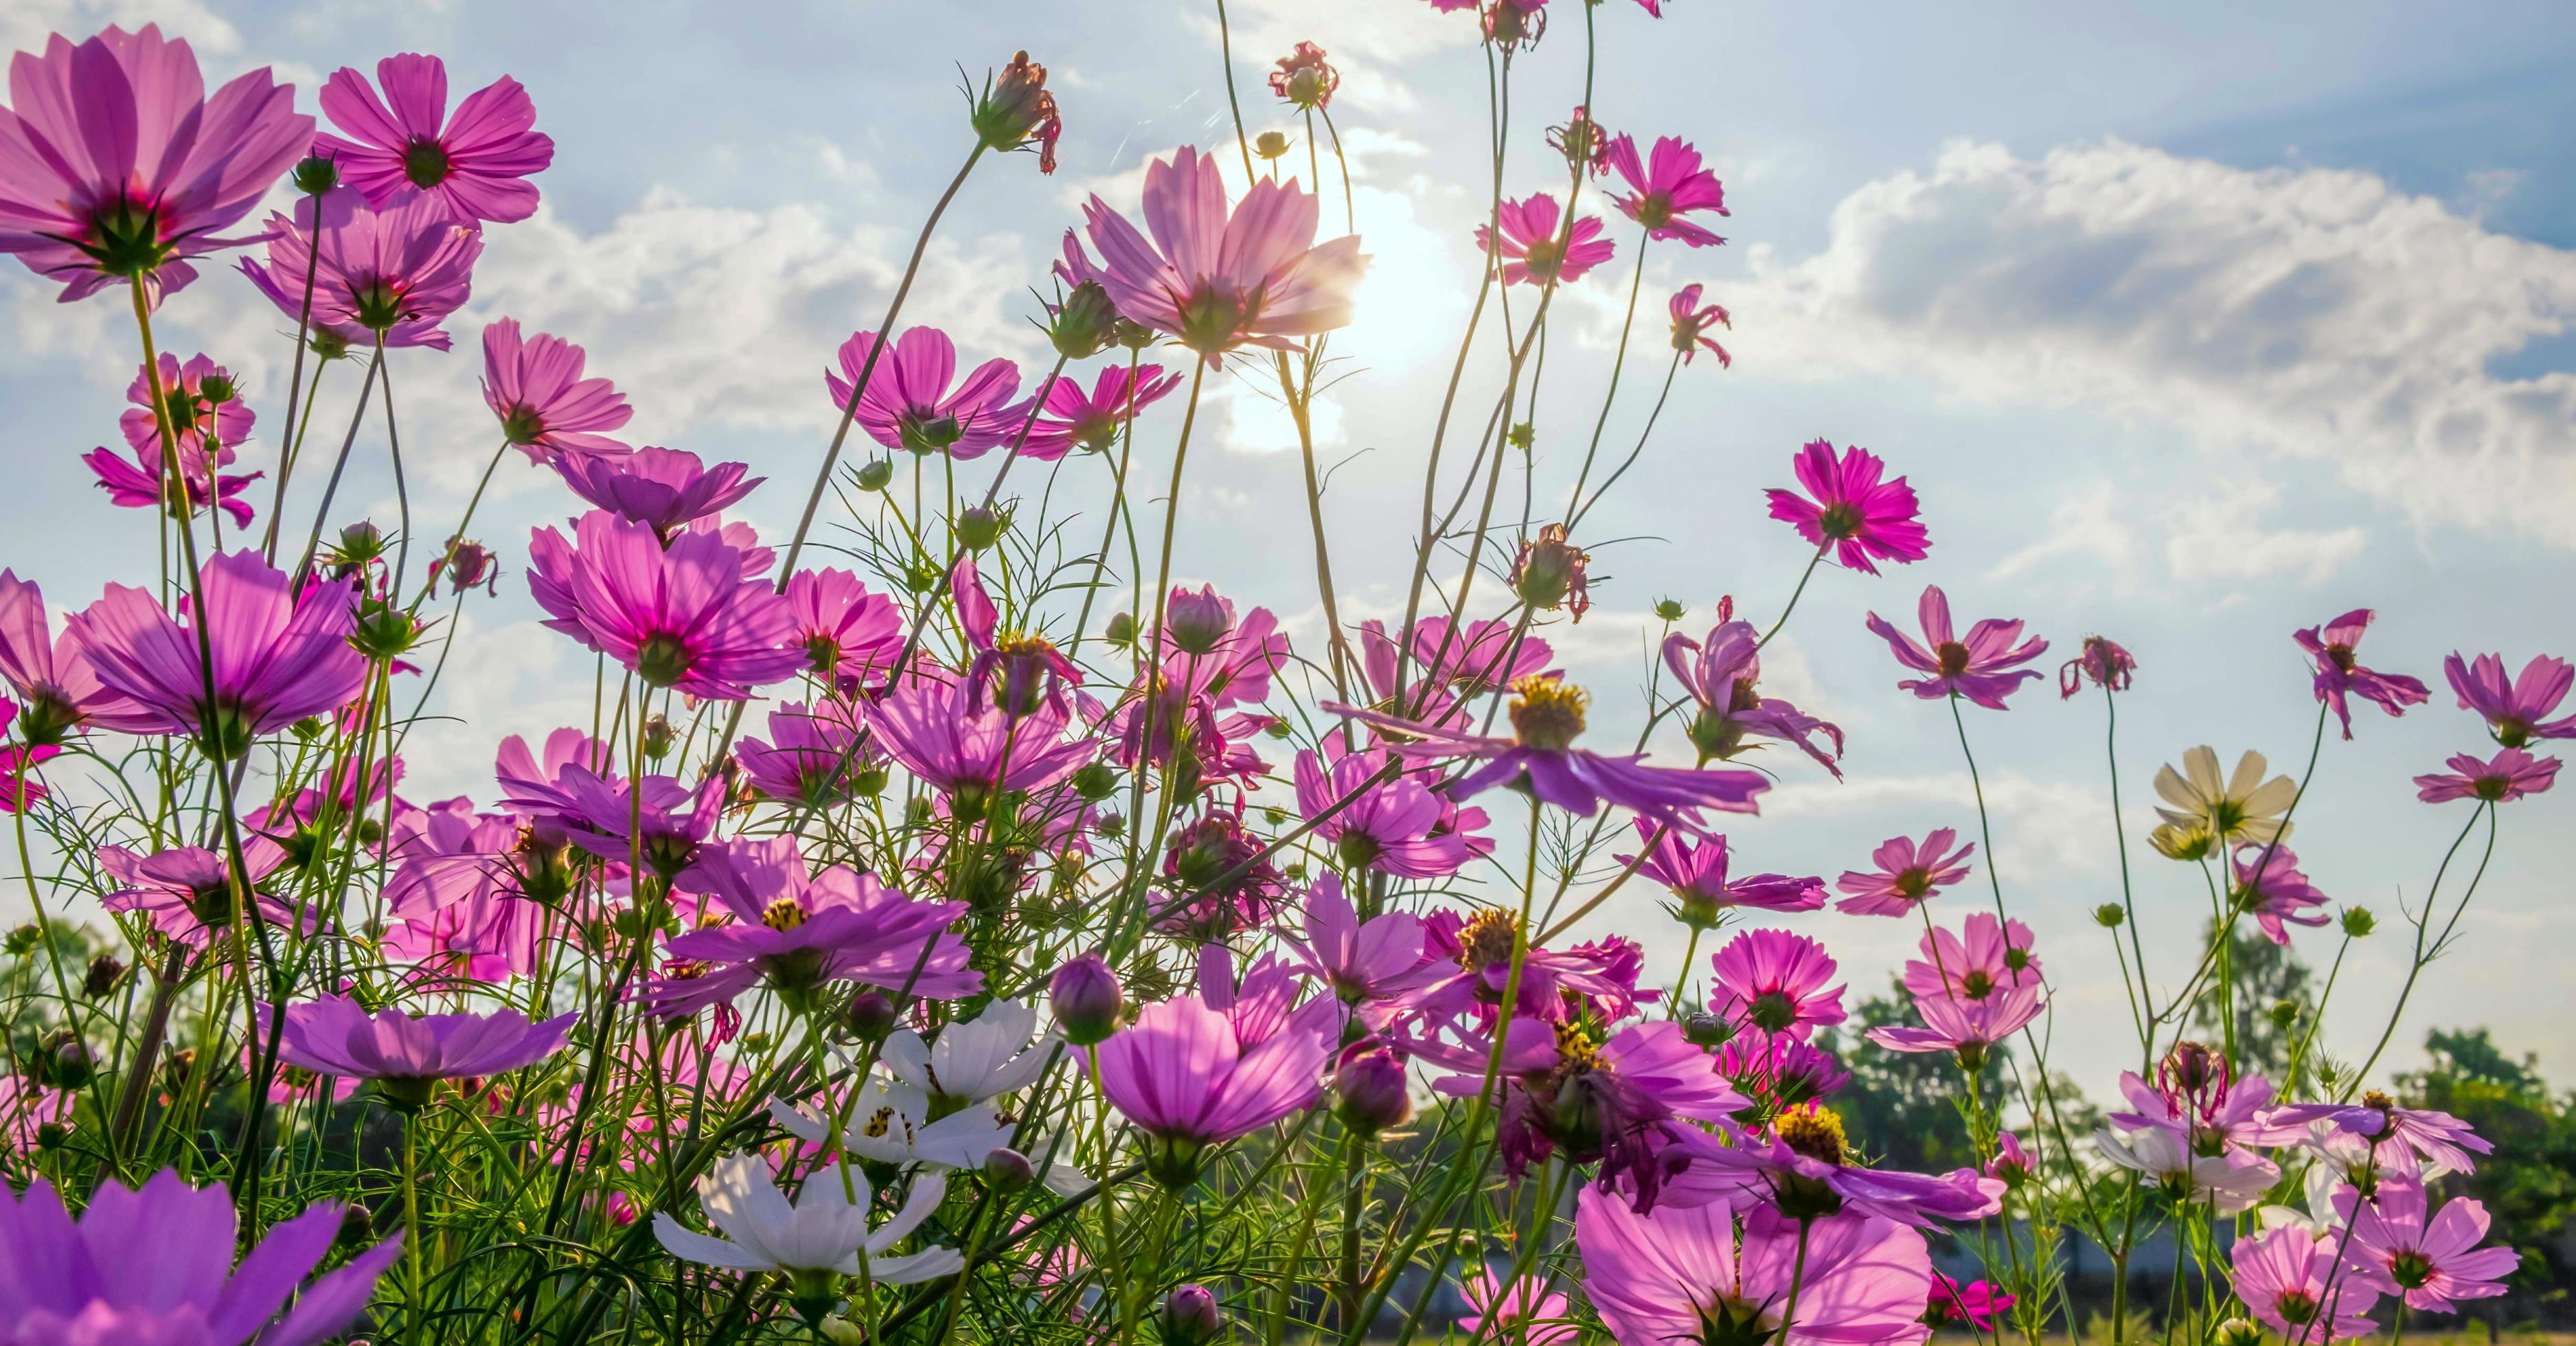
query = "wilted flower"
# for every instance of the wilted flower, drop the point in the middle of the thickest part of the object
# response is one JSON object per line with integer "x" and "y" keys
{"x": 1304, "y": 79}
{"x": 2340, "y": 675}
{"x": 1691, "y": 322}
{"x": 2101, "y": 661}
{"x": 1017, "y": 109}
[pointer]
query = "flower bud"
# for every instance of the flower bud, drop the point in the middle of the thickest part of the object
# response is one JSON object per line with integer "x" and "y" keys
{"x": 1550, "y": 573}
{"x": 1121, "y": 631}
{"x": 357, "y": 1227}
{"x": 979, "y": 528}
{"x": 1084, "y": 322}
{"x": 875, "y": 473}
{"x": 105, "y": 974}
{"x": 657, "y": 738}
{"x": 1095, "y": 782}
{"x": 2285, "y": 1013}
{"x": 1008, "y": 1169}
{"x": 1369, "y": 1091}
{"x": 67, "y": 1063}
{"x": 1196, "y": 623}
{"x": 1708, "y": 1031}
{"x": 2358, "y": 922}
{"x": 22, "y": 940}
{"x": 871, "y": 1015}
{"x": 1669, "y": 610}
{"x": 2237, "y": 1332}
{"x": 1017, "y": 109}
{"x": 1190, "y": 1317}
{"x": 1270, "y": 145}
{"x": 316, "y": 175}
{"x": 1087, "y": 1000}
{"x": 2109, "y": 915}
{"x": 52, "y": 1136}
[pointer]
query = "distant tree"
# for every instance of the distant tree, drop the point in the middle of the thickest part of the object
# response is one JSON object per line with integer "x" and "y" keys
{"x": 2266, "y": 977}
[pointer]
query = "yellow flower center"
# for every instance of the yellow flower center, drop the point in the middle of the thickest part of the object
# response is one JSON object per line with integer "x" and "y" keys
{"x": 1547, "y": 713}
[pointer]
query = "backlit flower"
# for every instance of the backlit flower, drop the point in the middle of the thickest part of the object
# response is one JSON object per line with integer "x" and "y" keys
{"x": 908, "y": 401}
{"x": 2431, "y": 1263}
{"x": 1304, "y": 79}
{"x": 2268, "y": 885}
{"x": 663, "y": 488}
{"x": 1849, "y": 508}
{"x": 394, "y": 273}
{"x": 2242, "y": 807}
{"x": 1669, "y": 185}
{"x": 825, "y": 1230}
{"x": 2516, "y": 710}
{"x": 1392, "y": 824}
{"x": 1691, "y": 321}
{"x": 1533, "y": 253}
{"x": 2287, "y": 1278}
{"x": 1775, "y": 981}
{"x": 1695, "y": 873}
{"x": 475, "y": 165}
{"x": 683, "y": 618}
{"x": 1906, "y": 874}
{"x": 1720, "y": 674}
{"x": 1684, "y": 1274}
{"x": 1216, "y": 279}
{"x": 1072, "y": 418}
{"x": 2340, "y": 675}
{"x": 535, "y": 386}
{"x": 2100, "y": 661}
{"x": 2510, "y": 775}
{"x": 1189, "y": 1077}
{"x": 405, "y": 1055}
{"x": 1983, "y": 665}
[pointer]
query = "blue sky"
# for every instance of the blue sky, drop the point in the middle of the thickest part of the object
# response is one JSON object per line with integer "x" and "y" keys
{"x": 2193, "y": 324}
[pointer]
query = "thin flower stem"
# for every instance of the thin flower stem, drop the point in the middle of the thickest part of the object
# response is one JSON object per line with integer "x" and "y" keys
{"x": 2424, "y": 956}
{"x": 2128, "y": 899}
{"x": 295, "y": 389}
{"x": 1225, "y": 55}
{"x": 1794, "y": 594}
{"x": 463, "y": 522}
{"x": 1633, "y": 454}
{"x": 1797, "y": 1281}
{"x": 321, "y": 512}
{"x": 414, "y": 1293}
{"x": 1618, "y": 365}
{"x": 402, "y": 493}
{"x": 1984, "y": 831}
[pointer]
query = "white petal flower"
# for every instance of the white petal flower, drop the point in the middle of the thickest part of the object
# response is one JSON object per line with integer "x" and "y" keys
{"x": 822, "y": 1231}
{"x": 972, "y": 1062}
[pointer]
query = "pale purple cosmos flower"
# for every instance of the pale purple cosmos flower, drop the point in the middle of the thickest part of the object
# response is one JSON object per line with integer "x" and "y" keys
{"x": 204, "y": 402}
{"x": 669, "y": 826}
{"x": 2287, "y": 1278}
{"x": 1188, "y": 1076}
{"x": 393, "y": 274}
{"x": 1365, "y": 962}
{"x": 1684, "y": 1274}
{"x": 534, "y": 385}
{"x": 2270, "y": 886}
{"x": 1848, "y": 507}
{"x": 47, "y": 671}
{"x": 2438, "y": 1137}
{"x": 2431, "y": 1263}
{"x": 909, "y": 402}
{"x": 475, "y": 164}
{"x": 1518, "y": 1310}
{"x": 1695, "y": 872}
{"x": 1775, "y": 981}
{"x": 278, "y": 656}
{"x": 1547, "y": 716}
{"x": 1530, "y": 248}
{"x": 1803, "y": 1163}
{"x": 155, "y": 1265}
{"x": 1985, "y": 956}
{"x": 662, "y": 488}
{"x": 1217, "y": 279}
{"x": 847, "y": 632}
{"x": 2512, "y": 774}
{"x": 404, "y": 1055}
{"x": 1667, "y": 186}
{"x": 1963, "y": 1026}
{"x": 1072, "y": 418}
{"x": 1720, "y": 674}
{"x": 1691, "y": 321}
{"x": 1984, "y": 667}
{"x": 2516, "y": 710}
{"x": 187, "y": 890}
{"x": 2102, "y": 662}
{"x": 1906, "y": 874}
{"x": 1396, "y": 826}
{"x": 970, "y": 755}
{"x": 815, "y": 755}
{"x": 2229, "y": 1182}
{"x": 793, "y": 932}
{"x": 684, "y": 617}
{"x": 141, "y": 482}
{"x": 2197, "y": 1096}
{"x": 114, "y": 164}
{"x": 2340, "y": 675}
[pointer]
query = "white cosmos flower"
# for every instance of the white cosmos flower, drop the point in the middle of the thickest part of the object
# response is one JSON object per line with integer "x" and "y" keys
{"x": 2229, "y": 1182}
{"x": 890, "y": 1124}
{"x": 984, "y": 1058}
{"x": 2242, "y": 807}
{"x": 823, "y": 1231}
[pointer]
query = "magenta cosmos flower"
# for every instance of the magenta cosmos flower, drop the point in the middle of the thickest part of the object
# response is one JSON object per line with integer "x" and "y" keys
{"x": 1804, "y": 1165}
{"x": 205, "y": 405}
{"x": 141, "y": 482}
{"x": 187, "y": 891}
{"x": 1719, "y": 673}
{"x": 2270, "y": 886}
{"x": 475, "y": 165}
{"x": 2430, "y": 1263}
{"x": 1964, "y": 1025}
{"x": 1190, "y": 1077}
{"x": 392, "y": 274}
{"x": 1072, "y": 418}
{"x": 684, "y": 617}
{"x": 1849, "y": 508}
{"x": 534, "y": 385}
{"x": 155, "y": 1265}
{"x": 846, "y": 632}
{"x": 1519, "y": 1310}
{"x": 1668, "y": 186}
{"x": 48, "y": 672}
{"x": 792, "y": 933}
{"x": 1986, "y": 955}
{"x": 1216, "y": 280}
{"x": 2438, "y": 1137}
{"x": 2287, "y": 1278}
{"x": 404, "y": 1055}
{"x": 1685, "y": 1273}
{"x": 1907, "y": 874}
{"x": 967, "y": 755}
{"x": 2340, "y": 675}
{"x": 664, "y": 489}
{"x": 2510, "y": 775}
{"x": 1984, "y": 667}
{"x": 1975, "y": 1303}
{"x": 816, "y": 755}
{"x": 2516, "y": 710}
{"x": 278, "y": 657}
{"x": 1365, "y": 962}
{"x": 1775, "y": 981}
{"x": 1532, "y": 253}
{"x": 910, "y": 405}
{"x": 1396, "y": 826}
{"x": 1695, "y": 872}
{"x": 1691, "y": 321}
{"x": 114, "y": 164}
{"x": 1547, "y": 716}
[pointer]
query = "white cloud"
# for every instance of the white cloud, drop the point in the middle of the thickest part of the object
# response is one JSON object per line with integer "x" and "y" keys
{"x": 2044, "y": 829}
{"x": 25, "y": 24}
{"x": 2211, "y": 533}
{"x": 2313, "y": 312}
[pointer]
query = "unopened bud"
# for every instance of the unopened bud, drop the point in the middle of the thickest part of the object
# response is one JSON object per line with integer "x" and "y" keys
{"x": 105, "y": 974}
{"x": 1190, "y": 1317}
{"x": 1009, "y": 1169}
{"x": 980, "y": 528}
{"x": 22, "y": 940}
{"x": 1121, "y": 631}
{"x": 2109, "y": 915}
{"x": 1708, "y": 1031}
{"x": 1669, "y": 610}
{"x": 2285, "y": 1013}
{"x": 67, "y": 1062}
{"x": 2358, "y": 922}
{"x": 357, "y": 1227}
{"x": 1369, "y": 1090}
{"x": 875, "y": 473}
{"x": 2237, "y": 1332}
{"x": 1270, "y": 144}
{"x": 1095, "y": 782}
{"x": 1084, "y": 322}
{"x": 871, "y": 1015}
{"x": 315, "y": 175}
{"x": 657, "y": 738}
{"x": 1087, "y": 1000}
{"x": 1196, "y": 623}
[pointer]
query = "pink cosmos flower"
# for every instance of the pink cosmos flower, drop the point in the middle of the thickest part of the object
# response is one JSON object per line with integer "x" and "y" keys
{"x": 1547, "y": 716}
{"x": 1395, "y": 826}
{"x": 1984, "y": 667}
{"x": 394, "y": 273}
{"x": 1848, "y": 507}
{"x": 28, "y": 1109}
{"x": 155, "y": 1265}
{"x": 336, "y": 1036}
{"x": 2438, "y": 1137}
{"x": 969, "y": 755}
{"x": 1474, "y": 956}
{"x": 1775, "y": 981}
{"x": 475, "y": 165}
{"x": 1975, "y": 1304}
{"x": 278, "y": 657}
{"x": 1365, "y": 962}
{"x": 2516, "y": 710}
{"x": 2340, "y": 676}
{"x": 1190, "y": 1077}
{"x": 1015, "y": 671}
{"x": 19, "y": 789}
{"x": 1906, "y": 875}
{"x": 205, "y": 405}
{"x": 1668, "y": 186}
{"x": 1684, "y": 1273}
{"x": 2197, "y": 1097}
{"x": 2431, "y": 1264}
{"x": 456, "y": 894}
{"x": 1517, "y": 1311}
{"x": 1471, "y": 659}
{"x": 1072, "y": 418}
{"x": 598, "y": 813}
{"x": 534, "y": 385}
{"x": 1778, "y": 1071}
{"x": 1965, "y": 1026}
{"x": 187, "y": 890}
{"x": 2287, "y": 1277}
{"x": 1695, "y": 872}
{"x": 1216, "y": 280}
{"x": 848, "y": 633}
{"x": 662, "y": 488}
{"x": 1991, "y": 955}
{"x": 793, "y": 932}
{"x": 2277, "y": 894}
{"x": 1691, "y": 322}
{"x": 1805, "y": 1167}
{"x": 2512, "y": 774}
{"x": 2012, "y": 1163}
{"x": 2100, "y": 661}
{"x": 141, "y": 482}
{"x": 816, "y": 755}
{"x": 114, "y": 164}
{"x": 48, "y": 672}
{"x": 684, "y": 617}
{"x": 1529, "y": 242}
{"x": 909, "y": 403}
{"x": 1720, "y": 674}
